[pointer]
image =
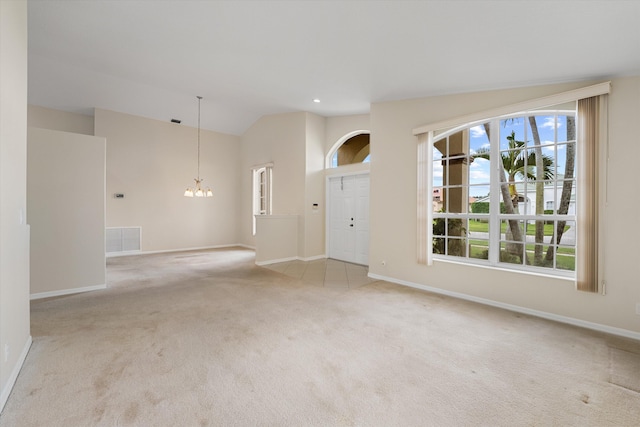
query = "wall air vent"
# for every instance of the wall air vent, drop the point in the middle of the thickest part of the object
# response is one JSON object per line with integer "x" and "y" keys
{"x": 120, "y": 240}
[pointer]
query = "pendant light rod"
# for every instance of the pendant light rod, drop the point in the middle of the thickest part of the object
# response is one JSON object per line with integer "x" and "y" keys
{"x": 199, "y": 100}
{"x": 197, "y": 191}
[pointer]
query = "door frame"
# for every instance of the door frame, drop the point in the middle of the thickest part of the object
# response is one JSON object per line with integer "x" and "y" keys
{"x": 327, "y": 204}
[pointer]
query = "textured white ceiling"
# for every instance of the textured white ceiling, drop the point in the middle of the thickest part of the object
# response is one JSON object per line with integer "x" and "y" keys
{"x": 251, "y": 58}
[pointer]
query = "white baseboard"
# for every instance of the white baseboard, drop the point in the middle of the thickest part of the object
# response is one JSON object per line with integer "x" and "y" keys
{"x": 293, "y": 258}
{"x": 6, "y": 391}
{"x": 201, "y": 248}
{"x": 50, "y": 294}
{"x": 275, "y": 261}
{"x": 313, "y": 258}
{"x": 253, "y": 248}
{"x": 125, "y": 253}
{"x": 543, "y": 314}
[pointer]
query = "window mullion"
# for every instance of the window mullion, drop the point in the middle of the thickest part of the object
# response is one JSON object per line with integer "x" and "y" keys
{"x": 268, "y": 187}
{"x": 494, "y": 192}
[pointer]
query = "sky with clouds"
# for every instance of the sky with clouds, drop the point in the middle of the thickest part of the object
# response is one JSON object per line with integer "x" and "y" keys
{"x": 550, "y": 128}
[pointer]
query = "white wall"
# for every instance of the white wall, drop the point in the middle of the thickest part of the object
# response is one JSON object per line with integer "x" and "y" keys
{"x": 152, "y": 163}
{"x": 276, "y": 238}
{"x": 313, "y": 221}
{"x": 14, "y": 231}
{"x": 393, "y": 210}
{"x": 337, "y": 127}
{"x": 278, "y": 138}
{"x": 295, "y": 144}
{"x": 66, "y": 203}
{"x": 47, "y": 118}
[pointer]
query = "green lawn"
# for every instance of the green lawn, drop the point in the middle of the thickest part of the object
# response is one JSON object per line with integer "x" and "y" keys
{"x": 565, "y": 257}
{"x": 483, "y": 227}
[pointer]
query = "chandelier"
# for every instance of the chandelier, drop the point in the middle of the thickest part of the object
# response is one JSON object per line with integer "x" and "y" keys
{"x": 197, "y": 191}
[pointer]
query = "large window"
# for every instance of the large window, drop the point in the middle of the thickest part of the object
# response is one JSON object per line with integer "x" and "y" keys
{"x": 520, "y": 191}
{"x": 504, "y": 191}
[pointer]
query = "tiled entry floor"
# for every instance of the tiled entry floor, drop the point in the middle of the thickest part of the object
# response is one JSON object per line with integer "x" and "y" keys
{"x": 325, "y": 272}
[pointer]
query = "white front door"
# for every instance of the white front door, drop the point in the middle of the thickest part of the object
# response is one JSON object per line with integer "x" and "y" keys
{"x": 349, "y": 218}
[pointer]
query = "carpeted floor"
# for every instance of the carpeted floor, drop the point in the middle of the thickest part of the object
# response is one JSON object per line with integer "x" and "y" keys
{"x": 208, "y": 338}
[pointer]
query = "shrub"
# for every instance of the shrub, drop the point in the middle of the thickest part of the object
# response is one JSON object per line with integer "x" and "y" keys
{"x": 483, "y": 207}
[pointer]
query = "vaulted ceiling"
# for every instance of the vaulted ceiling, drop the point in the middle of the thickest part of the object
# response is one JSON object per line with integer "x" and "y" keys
{"x": 251, "y": 58}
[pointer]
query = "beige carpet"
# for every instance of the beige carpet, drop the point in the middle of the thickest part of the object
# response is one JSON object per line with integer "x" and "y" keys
{"x": 208, "y": 338}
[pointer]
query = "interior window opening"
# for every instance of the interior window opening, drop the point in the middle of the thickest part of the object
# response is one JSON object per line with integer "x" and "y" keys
{"x": 261, "y": 192}
{"x": 353, "y": 150}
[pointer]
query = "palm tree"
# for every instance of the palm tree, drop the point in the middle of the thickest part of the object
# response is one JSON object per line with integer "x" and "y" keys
{"x": 518, "y": 162}
{"x": 537, "y": 250}
{"x": 565, "y": 198}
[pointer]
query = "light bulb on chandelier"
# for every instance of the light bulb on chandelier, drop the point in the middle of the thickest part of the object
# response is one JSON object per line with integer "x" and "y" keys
{"x": 197, "y": 191}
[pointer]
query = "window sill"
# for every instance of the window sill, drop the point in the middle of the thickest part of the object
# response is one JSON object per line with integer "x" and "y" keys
{"x": 567, "y": 278}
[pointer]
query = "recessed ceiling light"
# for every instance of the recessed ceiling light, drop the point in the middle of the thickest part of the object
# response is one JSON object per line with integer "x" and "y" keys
{"x": 316, "y": 100}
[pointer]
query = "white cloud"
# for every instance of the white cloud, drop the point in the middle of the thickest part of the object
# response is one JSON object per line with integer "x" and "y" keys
{"x": 550, "y": 123}
{"x": 477, "y": 131}
{"x": 437, "y": 170}
{"x": 479, "y": 171}
{"x": 550, "y": 149}
{"x": 480, "y": 163}
{"x": 479, "y": 176}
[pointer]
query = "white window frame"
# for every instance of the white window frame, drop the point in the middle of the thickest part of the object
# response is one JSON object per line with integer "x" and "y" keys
{"x": 494, "y": 216}
{"x": 262, "y": 189}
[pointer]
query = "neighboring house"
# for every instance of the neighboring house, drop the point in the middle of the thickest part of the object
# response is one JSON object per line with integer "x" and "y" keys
{"x": 438, "y": 199}
{"x": 527, "y": 204}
